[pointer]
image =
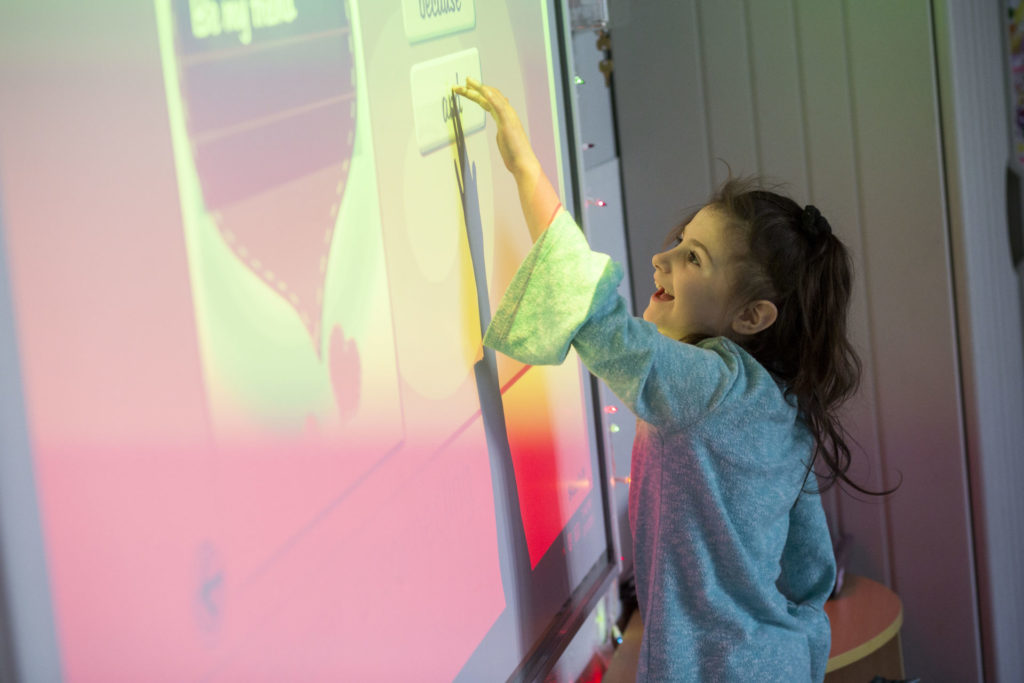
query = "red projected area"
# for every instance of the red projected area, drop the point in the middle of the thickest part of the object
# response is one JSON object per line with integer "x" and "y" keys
{"x": 553, "y": 474}
{"x": 249, "y": 291}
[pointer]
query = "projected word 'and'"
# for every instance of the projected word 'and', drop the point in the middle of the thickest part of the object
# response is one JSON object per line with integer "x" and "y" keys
{"x": 431, "y": 83}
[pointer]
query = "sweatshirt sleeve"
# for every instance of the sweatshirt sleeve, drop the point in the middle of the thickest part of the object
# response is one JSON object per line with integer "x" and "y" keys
{"x": 550, "y": 295}
{"x": 808, "y": 573}
{"x": 565, "y": 294}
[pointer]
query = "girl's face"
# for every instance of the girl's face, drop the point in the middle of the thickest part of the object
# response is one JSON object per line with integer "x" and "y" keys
{"x": 691, "y": 280}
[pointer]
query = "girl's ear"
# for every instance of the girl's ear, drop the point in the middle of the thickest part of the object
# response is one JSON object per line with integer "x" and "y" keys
{"x": 754, "y": 317}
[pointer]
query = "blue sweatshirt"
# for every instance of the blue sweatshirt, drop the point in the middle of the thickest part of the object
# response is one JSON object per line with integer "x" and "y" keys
{"x": 733, "y": 561}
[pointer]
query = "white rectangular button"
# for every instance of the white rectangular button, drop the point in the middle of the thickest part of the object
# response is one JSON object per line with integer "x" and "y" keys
{"x": 432, "y": 83}
{"x": 426, "y": 19}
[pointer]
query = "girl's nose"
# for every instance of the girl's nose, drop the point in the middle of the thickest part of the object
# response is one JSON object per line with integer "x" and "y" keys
{"x": 660, "y": 262}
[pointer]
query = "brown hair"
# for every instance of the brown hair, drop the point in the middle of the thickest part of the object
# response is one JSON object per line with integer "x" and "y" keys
{"x": 793, "y": 260}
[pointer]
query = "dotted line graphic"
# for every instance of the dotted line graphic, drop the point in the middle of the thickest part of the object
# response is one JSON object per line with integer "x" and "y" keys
{"x": 267, "y": 274}
{"x": 329, "y": 231}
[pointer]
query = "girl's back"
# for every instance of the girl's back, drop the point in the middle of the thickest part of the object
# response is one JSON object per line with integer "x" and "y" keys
{"x": 737, "y": 561}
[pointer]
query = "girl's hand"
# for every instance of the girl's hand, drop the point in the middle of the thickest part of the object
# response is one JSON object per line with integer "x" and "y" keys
{"x": 536, "y": 195}
{"x": 513, "y": 144}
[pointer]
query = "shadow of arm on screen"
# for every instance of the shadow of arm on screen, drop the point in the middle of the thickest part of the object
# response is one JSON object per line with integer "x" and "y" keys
{"x": 466, "y": 177}
{"x": 513, "y": 552}
{"x": 486, "y": 371}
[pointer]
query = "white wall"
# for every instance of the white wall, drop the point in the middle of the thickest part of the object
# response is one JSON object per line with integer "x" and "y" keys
{"x": 841, "y": 100}
{"x": 975, "y": 107}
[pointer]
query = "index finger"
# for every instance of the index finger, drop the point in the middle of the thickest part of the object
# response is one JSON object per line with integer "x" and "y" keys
{"x": 474, "y": 96}
{"x": 499, "y": 105}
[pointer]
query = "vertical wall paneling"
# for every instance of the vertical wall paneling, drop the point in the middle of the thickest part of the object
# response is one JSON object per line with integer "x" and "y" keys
{"x": 902, "y": 201}
{"x": 973, "y": 85}
{"x": 777, "y": 94}
{"x": 863, "y": 143}
{"x": 661, "y": 125}
{"x": 728, "y": 97}
{"x": 832, "y": 168}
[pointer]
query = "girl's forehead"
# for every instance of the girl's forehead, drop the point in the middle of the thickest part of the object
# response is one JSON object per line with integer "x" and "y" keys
{"x": 709, "y": 227}
{"x": 709, "y": 217}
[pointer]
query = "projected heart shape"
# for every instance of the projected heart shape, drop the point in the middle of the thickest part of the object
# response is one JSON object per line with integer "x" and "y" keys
{"x": 270, "y": 107}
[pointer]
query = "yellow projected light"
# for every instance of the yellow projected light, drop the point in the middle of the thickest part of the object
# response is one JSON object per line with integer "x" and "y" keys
{"x": 433, "y": 249}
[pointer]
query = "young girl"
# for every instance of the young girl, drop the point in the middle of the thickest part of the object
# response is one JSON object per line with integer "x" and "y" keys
{"x": 735, "y": 374}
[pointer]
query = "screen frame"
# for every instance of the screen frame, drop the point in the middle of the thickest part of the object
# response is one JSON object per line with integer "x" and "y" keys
{"x": 544, "y": 655}
{"x": 28, "y": 632}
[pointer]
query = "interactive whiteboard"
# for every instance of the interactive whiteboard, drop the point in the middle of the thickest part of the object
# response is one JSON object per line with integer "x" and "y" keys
{"x": 248, "y": 275}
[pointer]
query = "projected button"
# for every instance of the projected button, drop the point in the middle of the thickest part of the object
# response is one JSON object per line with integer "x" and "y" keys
{"x": 431, "y": 99}
{"x": 426, "y": 19}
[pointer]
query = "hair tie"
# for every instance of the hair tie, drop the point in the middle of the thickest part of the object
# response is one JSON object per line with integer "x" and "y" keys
{"x": 814, "y": 224}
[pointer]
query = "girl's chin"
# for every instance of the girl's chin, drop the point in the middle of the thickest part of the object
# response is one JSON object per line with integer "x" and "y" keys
{"x": 652, "y": 319}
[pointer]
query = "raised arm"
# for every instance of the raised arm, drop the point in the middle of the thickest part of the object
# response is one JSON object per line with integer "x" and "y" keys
{"x": 536, "y": 195}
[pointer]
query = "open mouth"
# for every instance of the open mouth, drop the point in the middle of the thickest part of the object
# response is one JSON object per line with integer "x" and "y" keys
{"x": 661, "y": 295}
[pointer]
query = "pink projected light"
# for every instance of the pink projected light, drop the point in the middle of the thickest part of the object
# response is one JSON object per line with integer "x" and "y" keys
{"x": 248, "y": 318}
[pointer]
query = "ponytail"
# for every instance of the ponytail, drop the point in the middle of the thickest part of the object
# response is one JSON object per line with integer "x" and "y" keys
{"x": 793, "y": 260}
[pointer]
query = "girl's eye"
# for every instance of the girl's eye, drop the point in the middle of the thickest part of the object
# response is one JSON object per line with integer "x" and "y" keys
{"x": 693, "y": 258}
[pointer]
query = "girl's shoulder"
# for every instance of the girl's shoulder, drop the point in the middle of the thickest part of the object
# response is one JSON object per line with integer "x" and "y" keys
{"x": 731, "y": 353}
{"x": 749, "y": 376}
{"x": 755, "y": 409}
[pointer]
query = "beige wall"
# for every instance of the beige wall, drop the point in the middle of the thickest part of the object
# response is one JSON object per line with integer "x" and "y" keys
{"x": 841, "y": 101}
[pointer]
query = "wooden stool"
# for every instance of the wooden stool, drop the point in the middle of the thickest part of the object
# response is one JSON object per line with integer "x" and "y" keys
{"x": 866, "y": 618}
